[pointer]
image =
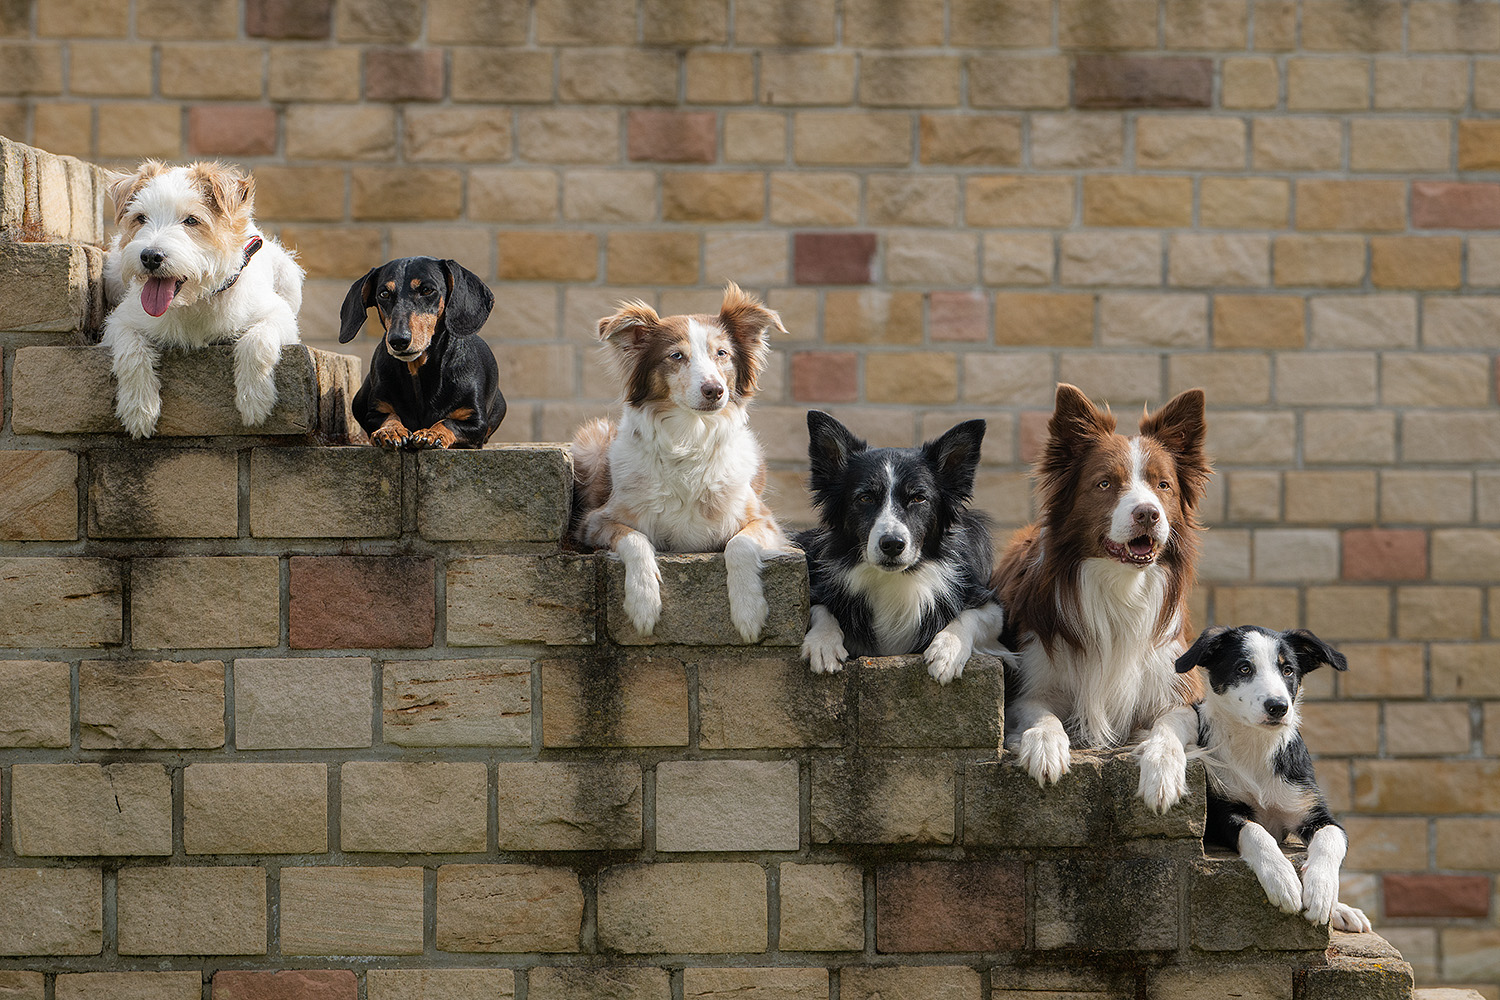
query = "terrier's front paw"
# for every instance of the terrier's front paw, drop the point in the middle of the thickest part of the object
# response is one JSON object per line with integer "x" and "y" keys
{"x": 1044, "y": 754}
{"x": 824, "y": 651}
{"x": 1320, "y": 893}
{"x": 255, "y": 403}
{"x": 945, "y": 657}
{"x": 1163, "y": 775}
{"x": 643, "y": 598}
{"x": 1279, "y": 879}
{"x": 1350, "y": 919}
{"x": 140, "y": 421}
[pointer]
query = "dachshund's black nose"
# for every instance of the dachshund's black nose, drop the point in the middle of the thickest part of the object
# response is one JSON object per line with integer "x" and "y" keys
{"x": 151, "y": 258}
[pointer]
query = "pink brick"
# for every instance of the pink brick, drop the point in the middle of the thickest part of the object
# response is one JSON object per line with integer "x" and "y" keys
{"x": 1034, "y": 434}
{"x": 404, "y": 75}
{"x": 825, "y": 377}
{"x": 289, "y": 18}
{"x": 364, "y": 602}
{"x": 1142, "y": 82}
{"x": 833, "y": 258}
{"x": 958, "y": 316}
{"x": 1455, "y": 205}
{"x": 672, "y": 136}
{"x": 319, "y": 984}
{"x": 950, "y": 906}
{"x": 1385, "y": 554}
{"x": 1424, "y": 895}
{"x": 231, "y": 130}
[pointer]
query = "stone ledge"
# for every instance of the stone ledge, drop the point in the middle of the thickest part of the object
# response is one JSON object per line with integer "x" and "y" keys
{"x": 1360, "y": 967}
{"x": 695, "y": 602}
{"x": 46, "y": 197}
{"x": 50, "y": 287}
{"x": 69, "y": 390}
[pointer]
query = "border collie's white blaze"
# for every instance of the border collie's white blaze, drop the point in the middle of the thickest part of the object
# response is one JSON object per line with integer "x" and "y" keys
{"x": 682, "y": 472}
{"x": 1261, "y": 785}
{"x": 1095, "y": 592}
{"x": 898, "y": 563}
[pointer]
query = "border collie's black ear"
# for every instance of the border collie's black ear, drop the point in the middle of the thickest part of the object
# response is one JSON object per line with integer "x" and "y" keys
{"x": 1313, "y": 652}
{"x": 955, "y": 453}
{"x": 829, "y": 445}
{"x": 361, "y": 297}
{"x": 1205, "y": 647}
{"x": 469, "y": 299}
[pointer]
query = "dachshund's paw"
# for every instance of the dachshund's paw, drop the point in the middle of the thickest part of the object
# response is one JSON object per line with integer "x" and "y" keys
{"x": 427, "y": 438}
{"x": 391, "y": 436}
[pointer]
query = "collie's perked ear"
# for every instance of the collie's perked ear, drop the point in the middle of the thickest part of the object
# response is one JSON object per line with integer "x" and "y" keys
{"x": 360, "y": 298}
{"x": 1313, "y": 652}
{"x": 469, "y": 300}
{"x": 955, "y": 455}
{"x": 829, "y": 446}
{"x": 1180, "y": 427}
{"x": 1206, "y": 647}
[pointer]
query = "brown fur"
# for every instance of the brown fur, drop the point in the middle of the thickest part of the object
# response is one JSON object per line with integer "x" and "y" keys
{"x": 591, "y": 463}
{"x": 439, "y": 435}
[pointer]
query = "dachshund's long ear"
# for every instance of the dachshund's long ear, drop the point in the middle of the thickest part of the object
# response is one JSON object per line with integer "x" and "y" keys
{"x": 361, "y": 297}
{"x": 469, "y": 299}
{"x": 1313, "y": 652}
{"x": 1204, "y": 649}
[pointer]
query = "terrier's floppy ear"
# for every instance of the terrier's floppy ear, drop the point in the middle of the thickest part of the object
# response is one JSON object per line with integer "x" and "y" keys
{"x": 360, "y": 298}
{"x": 1313, "y": 652}
{"x": 1206, "y": 647}
{"x": 956, "y": 455}
{"x": 469, "y": 300}
{"x": 226, "y": 188}
{"x": 628, "y": 327}
{"x": 829, "y": 445}
{"x": 122, "y": 187}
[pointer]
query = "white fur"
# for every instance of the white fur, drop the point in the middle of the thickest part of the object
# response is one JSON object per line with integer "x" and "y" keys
{"x": 823, "y": 646}
{"x": 889, "y": 522}
{"x": 1320, "y": 874}
{"x": 950, "y": 648}
{"x": 258, "y": 313}
{"x": 898, "y": 600}
{"x": 1277, "y": 875}
{"x": 1122, "y": 524}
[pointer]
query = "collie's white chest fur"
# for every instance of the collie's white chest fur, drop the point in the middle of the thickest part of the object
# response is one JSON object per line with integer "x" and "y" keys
{"x": 898, "y": 601}
{"x": 1123, "y": 677}
{"x": 1241, "y": 766}
{"x": 688, "y": 477}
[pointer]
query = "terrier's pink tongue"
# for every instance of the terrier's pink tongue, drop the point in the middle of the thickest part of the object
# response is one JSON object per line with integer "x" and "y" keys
{"x": 157, "y": 294}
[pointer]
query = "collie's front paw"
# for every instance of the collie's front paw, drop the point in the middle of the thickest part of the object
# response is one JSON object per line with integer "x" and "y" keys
{"x": 139, "y": 420}
{"x": 823, "y": 646}
{"x": 1278, "y": 877}
{"x": 1320, "y": 893}
{"x": 1163, "y": 775}
{"x": 643, "y": 598}
{"x": 255, "y": 403}
{"x": 1044, "y": 754}
{"x": 1350, "y": 919}
{"x": 945, "y": 657}
{"x": 748, "y": 610}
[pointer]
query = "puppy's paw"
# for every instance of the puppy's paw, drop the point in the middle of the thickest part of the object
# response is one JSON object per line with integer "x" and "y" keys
{"x": 945, "y": 657}
{"x": 1320, "y": 893}
{"x": 747, "y": 607}
{"x": 391, "y": 436}
{"x": 1350, "y": 919}
{"x": 1044, "y": 754}
{"x": 255, "y": 403}
{"x": 1279, "y": 878}
{"x": 426, "y": 438}
{"x": 643, "y": 598}
{"x": 1163, "y": 775}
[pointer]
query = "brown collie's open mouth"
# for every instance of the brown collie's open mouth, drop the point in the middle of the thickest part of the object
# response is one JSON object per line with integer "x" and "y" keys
{"x": 1139, "y": 551}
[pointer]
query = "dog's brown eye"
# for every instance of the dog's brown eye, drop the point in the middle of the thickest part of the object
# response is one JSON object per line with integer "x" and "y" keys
{"x": 1245, "y": 669}
{"x": 916, "y": 500}
{"x": 1164, "y": 485}
{"x": 1104, "y": 484}
{"x": 140, "y": 220}
{"x": 384, "y": 293}
{"x": 191, "y": 220}
{"x": 865, "y": 498}
{"x": 723, "y": 353}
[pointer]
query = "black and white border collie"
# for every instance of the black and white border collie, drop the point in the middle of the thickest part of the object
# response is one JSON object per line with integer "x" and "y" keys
{"x": 898, "y": 563}
{"x": 1260, "y": 775}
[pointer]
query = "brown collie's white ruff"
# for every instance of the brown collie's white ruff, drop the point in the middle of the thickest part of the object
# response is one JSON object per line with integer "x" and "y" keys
{"x": 1095, "y": 592}
{"x": 682, "y": 471}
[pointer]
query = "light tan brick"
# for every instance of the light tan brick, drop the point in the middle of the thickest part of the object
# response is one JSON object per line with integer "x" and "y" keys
{"x": 907, "y": 200}
{"x": 51, "y": 911}
{"x": 1110, "y": 200}
{"x": 129, "y": 985}
{"x": 71, "y": 19}
{"x": 814, "y": 199}
{"x": 911, "y": 377}
{"x": 755, "y": 984}
{"x": 1426, "y": 786}
{"x": 806, "y": 78}
{"x": 1251, "y": 437}
{"x": 38, "y": 495}
{"x": 1422, "y": 730}
{"x": 302, "y": 703}
{"x": 198, "y": 602}
{"x": 66, "y": 129}
{"x": 109, "y": 69}
{"x": 1273, "y": 321}
{"x": 1330, "y": 497}
{"x": 457, "y": 134}
{"x": 1351, "y": 205}
{"x": 1189, "y": 142}
{"x": 340, "y": 132}
{"x": 457, "y": 702}
{"x": 1243, "y": 202}
{"x": 874, "y": 138}
{"x": 1254, "y": 495}
{"x": 822, "y": 907}
{"x": 513, "y": 195}
{"x": 1292, "y": 554}
{"x": 756, "y": 258}
{"x": 1465, "y": 843}
{"x": 617, "y": 76}
{"x": 1110, "y": 258}
{"x": 36, "y": 709}
{"x": 508, "y": 908}
{"x": 1333, "y": 728}
{"x": 1153, "y": 320}
{"x": 529, "y": 255}
{"x": 405, "y": 193}
{"x": 640, "y": 700}
{"x": 519, "y": 77}
{"x": 211, "y": 72}
{"x": 1461, "y": 321}
{"x": 1442, "y": 27}
{"x": 307, "y": 193}
{"x": 909, "y": 801}
{"x": 1114, "y": 378}
{"x": 1464, "y": 671}
{"x": 1415, "y": 497}
{"x": 144, "y": 705}
{"x": 59, "y": 602}
{"x": 1078, "y": 140}
{"x": 237, "y": 808}
{"x": 1416, "y": 262}
{"x": 908, "y": 983}
{"x": 1239, "y": 380}
{"x": 331, "y": 251}
{"x": 906, "y": 81}
{"x": 1322, "y": 261}
{"x": 1215, "y": 24}
{"x": 1019, "y": 201}
{"x": 754, "y": 137}
{"x": 1438, "y": 612}
{"x": 652, "y": 258}
{"x": 1464, "y": 554}
{"x": 1461, "y": 436}
{"x": 1242, "y": 604}
{"x": 1349, "y": 436}
{"x": 299, "y": 74}
{"x": 1044, "y": 318}
{"x": 442, "y": 984}
{"x": 718, "y": 196}
{"x": 564, "y": 806}
{"x": 608, "y": 195}
{"x": 1399, "y": 146}
{"x": 1435, "y": 380}
{"x": 1019, "y": 81}
{"x": 682, "y": 908}
{"x": 367, "y": 21}
{"x": 1198, "y": 259}
{"x": 1322, "y": 84}
{"x": 1363, "y": 321}
{"x": 436, "y": 807}
{"x": 719, "y": 77}
{"x": 86, "y": 809}
{"x": 607, "y": 983}
{"x": 351, "y": 911}
{"x": 1324, "y": 379}
{"x": 189, "y": 493}
{"x": 1338, "y": 613}
{"x": 931, "y": 258}
{"x": 727, "y": 805}
{"x": 493, "y": 600}
{"x": 1017, "y": 259}
{"x": 1380, "y": 844}
{"x": 1250, "y": 83}
{"x": 1297, "y": 143}
{"x": 1385, "y": 670}
{"x": 1421, "y": 84}
{"x": 187, "y": 911}
{"x": 1006, "y": 24}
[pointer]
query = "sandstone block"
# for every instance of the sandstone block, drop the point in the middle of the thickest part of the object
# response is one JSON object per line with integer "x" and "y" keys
{"x": 873, "y": 138}
{"x": 440, "y": 984}
{"x": 340, "y": 131}
{"x": 430, "y": 808}
{"x": 255, "y": 808}
{"x": 1372, "y": 971}
{"x": 1137, "y": 201}
{"x": 874, "y": 800}
{"x": 1034, "y": 318}
{"x": 559, "y": 806}
{"x": 908, "y": 81}
{"x": 652, "y": 258}
{"x": 727, "y": 805}
{"x": 754, "y": 137}
{"x": 1127, "y": 320}
{"x": 970, "y": 140}
{"x": 770, "y": 702}
{"x": 901, "y": 706}
{"x": 719, "y": 78}
{"x": 512, "y": 195}
{"x": 946, "y": 906}
{"x": 1419, "y": 730}
{"x": 23, "y": 985}
{"x": 325, "y": 493}
{"x": 88, "y": 809}
{"x": 60, "y": 602}
{"x": 51, "y": 911}
{"x": 755, "y": 984}
{"x": 36, "y": 708}
{"x": 764, "y": 22}
{"x": 806, "y": 78}
{"x": 822, "y": 907}
{"x": 313, "y": 74}
{"x": 520, "y": 77}
{"x": 130, "y": 985}
{"x": 1243, "y": 202}
{"x": 1461, "y": 321}
{"x": 620, "y": 699}
{"x": 1019, "y": 201}
{"x": 405, "y": 193}
{"x": 404, "y": 75}
{"x": 176, "y": 493}
{"x": 893, "y": 25}
{"x": 45, "y": 287}
{"x": 508, "y": 908}
{"x": 1018, "y": 81}
{"x": 457, "y": 702}
{"x": 1252, "y": 83}
{"x": 912, "y": 377}
{"x": 607, "y": 983}
{"x": 385, "y": 601}
{"x": 329, "y": 984}
{"x": 192, "y": 911}
{"x": 510, "y": 493}
{"x": 495, "y": 600}
{"x": 1107, "y": 905}
{"x": 931, "y": 258}
{"x": 199, "y": 602}
{"x": 1461, "y": 436}
{"x": 872, "y": 316}
{"x": 1104, "y": 258}
{"x": 910, "y": 982}
{"x": 144, "y": 705}
{"x": 351, "y": 911}
{"x": 671, "y": 136}
{"x": 302, "y": 703}
{"x": 1106, "y": 81}
{"x": 695, "y": 601}
{"x": 683, "y": 908}
{"x": 1228, "y": 911}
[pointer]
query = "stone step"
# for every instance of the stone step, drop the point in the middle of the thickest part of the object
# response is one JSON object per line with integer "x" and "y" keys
{"x": 47, "y": 197}
{"x": 1446, "y": 993}
{"x": 50, "y": 288}
{"x": 1360, "y": 967}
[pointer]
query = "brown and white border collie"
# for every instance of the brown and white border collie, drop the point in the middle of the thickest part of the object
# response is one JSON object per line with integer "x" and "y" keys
{"x": 682, "y": 471}
{"x": 1095, "y": 592}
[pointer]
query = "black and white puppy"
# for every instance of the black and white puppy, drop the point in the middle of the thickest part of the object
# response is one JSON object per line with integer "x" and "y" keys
{"x": 898, "y": 563}
{"x": 1260, "y": 776}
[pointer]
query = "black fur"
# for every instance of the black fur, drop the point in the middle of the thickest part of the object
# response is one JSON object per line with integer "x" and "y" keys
{"x": 933, "y": 485}
{"x": 458, "y": 374}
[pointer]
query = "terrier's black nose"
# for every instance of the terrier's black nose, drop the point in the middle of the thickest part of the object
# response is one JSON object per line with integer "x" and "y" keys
{"x": 151, "y": 258}
{"x": 1276, "y": 708}
{"x": 892, "y": 545}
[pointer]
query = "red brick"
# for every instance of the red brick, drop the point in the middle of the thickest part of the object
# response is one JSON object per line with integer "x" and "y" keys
{"x": 403, "y": 75}
{"x": 365, "y": 602}
{"x": 947, "y": 906}
{"x": 1452, "y": 205}
{"x": 320, "y": 984}
{"x": 672, "y": 136}
{"x": 832, "y": 258}
{"x": 289, "y": 18}
{"x": 1142, "y": 82}
{"x": 1034, "y": 434}
{"x": 958, "y": 316}
{"x": 1385, "y": 554}
{"x": 231, "y": 130}
{"x": 1437, "y": 895}
{"x": 825, "y": 377}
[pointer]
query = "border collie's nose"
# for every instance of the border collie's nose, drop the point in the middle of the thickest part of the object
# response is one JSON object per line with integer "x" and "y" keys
{"x": 1276, "y": 708}
{"x": 713, "y": 391}
{"x": 892, "y": 545}
{"x": 151, "y": 258}
{"x": 1146, "y": 514}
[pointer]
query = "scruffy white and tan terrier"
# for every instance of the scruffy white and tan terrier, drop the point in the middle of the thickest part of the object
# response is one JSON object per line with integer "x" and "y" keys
{"x": 189, "y": 268}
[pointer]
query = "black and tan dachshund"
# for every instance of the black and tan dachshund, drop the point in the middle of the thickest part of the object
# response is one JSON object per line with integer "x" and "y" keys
{"x": 432, "y": 383}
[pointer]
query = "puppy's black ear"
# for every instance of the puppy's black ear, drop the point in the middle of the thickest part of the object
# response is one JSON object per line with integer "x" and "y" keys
{"x": 955, "y": 455}
{"x": 1204, "y": 648}
{"x": 829, "y": 445}
{"x": 469, "y": 300}
{"x": 361, "y": 297}
{"x": 1313, "y": 652}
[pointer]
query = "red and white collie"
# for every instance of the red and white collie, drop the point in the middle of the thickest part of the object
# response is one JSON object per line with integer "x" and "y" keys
{"x": 682, "y": 472}
{"x": 1095, "y": 592}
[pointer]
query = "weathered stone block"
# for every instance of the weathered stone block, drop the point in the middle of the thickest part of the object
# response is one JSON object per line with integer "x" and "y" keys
{"x": 302, "y": 703}
{"x": 727, "y": 805}
{"x": 758, "y": 701}
{"x": 877, "y": 800}
{"x": 435, "y": 703}
{"x": 351, "y": 911}
{"x": 428, "y": 808}
{"x": 255, "y": 808}
{"x": 695, "y": 602}
{"x": 931, "y": 982}
{"x": 755, "y": 984}
{"x": 38, "y": 700}
{"x": 88, "y": 809}
{"x": 440, "y": 984}
{"x": 497, "y": 600}
{"x": 192, "y": 911}
{"x": 1228, "y": 911}
{"x": 1360, "y": 967}
{"x": 1106, "y": 81}
{"x": 508, "y": 908}
{"x": 159, "y": 493}
{"x": 45, "y": 287}
{"x": 901, "y": 706}
{"x": 1005, "y": 807}
{"x": 822, "y": 907}
{"x": 513, "y": 494}
{"x": 128, "y": 986}
{"x": 950, "y": 906}
{"x": 325, "y": 493}
{"x": 202, "y": 602}
{"x": 60, "y": 602}
{"x": 683, "y": 908}
{"x": 608, "y": 983}
{"x": 559, "y": 806}
{"x": 1117, "y": 905}
{"x": 384, "y": 601}
{"x": 38, "y": 496}
{"x": 611, "y": 698}
{"x": 146, "y": 705}
{"x": 319, "y": 984}
{"x": 51, "y": 911}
